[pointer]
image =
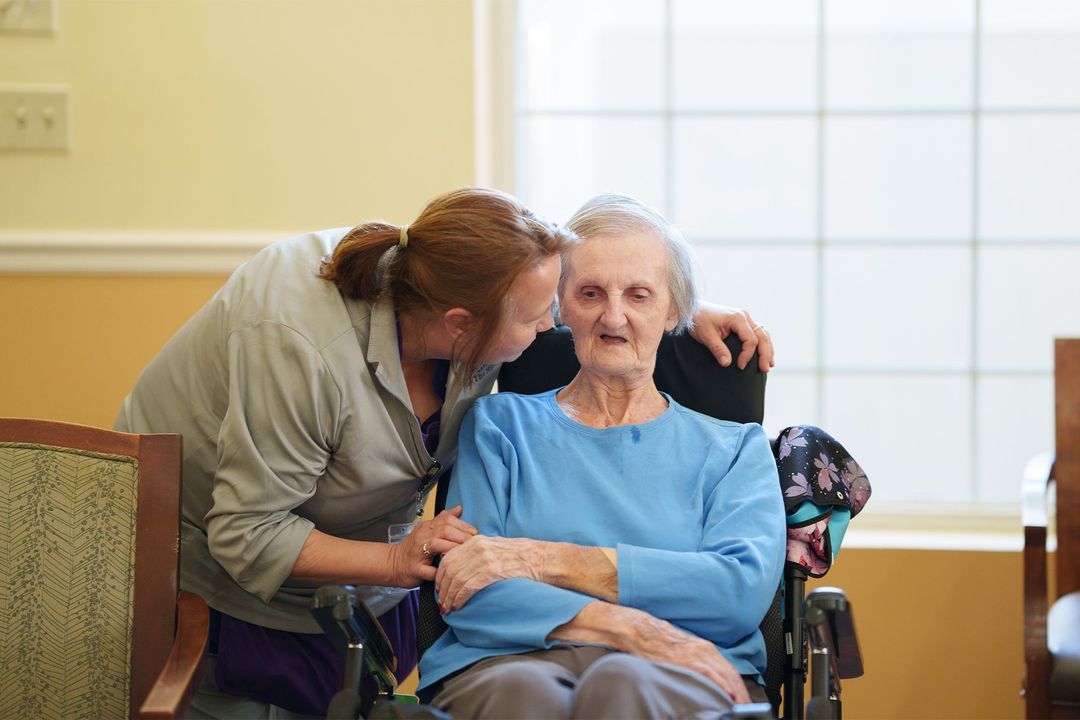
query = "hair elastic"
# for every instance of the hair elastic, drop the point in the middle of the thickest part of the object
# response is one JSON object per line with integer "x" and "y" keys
{"x": 403, "y": 239}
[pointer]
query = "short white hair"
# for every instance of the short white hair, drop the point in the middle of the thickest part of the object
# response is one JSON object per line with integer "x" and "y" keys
{"x": 615, "y": 214}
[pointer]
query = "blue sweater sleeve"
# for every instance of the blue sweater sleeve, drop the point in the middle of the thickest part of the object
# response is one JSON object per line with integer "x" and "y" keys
{"x": 511, "y": 614}
{"x": 722, "y": 591}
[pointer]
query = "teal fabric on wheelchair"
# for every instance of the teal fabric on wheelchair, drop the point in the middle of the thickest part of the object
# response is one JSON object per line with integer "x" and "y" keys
{"x": 814, "y": 538}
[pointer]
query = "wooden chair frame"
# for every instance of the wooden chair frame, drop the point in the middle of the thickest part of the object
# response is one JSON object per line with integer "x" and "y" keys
{"x": 169, "y": 628}
{"x": 1062, "y": 469}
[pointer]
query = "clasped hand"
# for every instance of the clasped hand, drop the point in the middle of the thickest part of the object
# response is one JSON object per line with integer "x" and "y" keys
{"x": 659, "y": 640}
{"x": 412, "y": 560}
{"x": 482, "y": 560}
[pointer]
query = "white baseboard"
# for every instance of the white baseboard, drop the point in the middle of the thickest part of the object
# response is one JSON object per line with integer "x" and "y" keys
{"x": 129, "y": 252}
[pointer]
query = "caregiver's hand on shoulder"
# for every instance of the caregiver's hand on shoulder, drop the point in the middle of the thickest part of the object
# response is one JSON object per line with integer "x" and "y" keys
{"x": 713, "y": 323}
{"x": 412, "y": 559}
{"x": 481, "y": 561}
{"x": 650, "y": 637}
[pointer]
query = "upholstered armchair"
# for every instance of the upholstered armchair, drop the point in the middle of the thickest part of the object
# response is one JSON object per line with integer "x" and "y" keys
{"x": 91, "y": 621}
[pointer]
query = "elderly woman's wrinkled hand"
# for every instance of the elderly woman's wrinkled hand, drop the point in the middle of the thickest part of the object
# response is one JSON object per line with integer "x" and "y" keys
{"x": 412, "y": 560}
{"x": 481, "y": 561}
{"x": 713, "y": 323}
{"x": 658, "y": 640}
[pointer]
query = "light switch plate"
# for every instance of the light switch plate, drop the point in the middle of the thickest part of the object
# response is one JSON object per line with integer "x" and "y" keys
{"x": 28, "y": 16}
{"x": 34, "y": 117}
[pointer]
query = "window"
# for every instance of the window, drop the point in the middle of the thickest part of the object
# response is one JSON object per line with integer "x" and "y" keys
{"x": 892, "y": 186}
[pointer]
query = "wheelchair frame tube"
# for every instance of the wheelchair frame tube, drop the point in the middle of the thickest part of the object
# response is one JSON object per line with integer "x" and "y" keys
{"x": 824, "y": 701}
{"x": 794, "y": 642}
{"x": 349, "y": 702}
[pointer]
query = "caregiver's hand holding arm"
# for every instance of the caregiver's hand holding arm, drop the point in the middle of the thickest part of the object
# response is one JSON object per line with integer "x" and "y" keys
{"x": 328, "y": 559}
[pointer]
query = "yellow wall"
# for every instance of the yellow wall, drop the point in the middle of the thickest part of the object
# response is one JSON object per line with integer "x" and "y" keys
{"x": 232, "y": 114}
{"x": 941, "y": 633}
{"x": 73, "y": 346}
{"x": 297, "y": 114}
{"x": 195, "y": 115}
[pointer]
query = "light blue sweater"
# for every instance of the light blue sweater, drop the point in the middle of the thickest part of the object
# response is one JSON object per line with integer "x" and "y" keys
{"x": 691, "y": 503}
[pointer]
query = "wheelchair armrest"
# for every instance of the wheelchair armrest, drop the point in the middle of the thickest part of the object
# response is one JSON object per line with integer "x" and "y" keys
{"x": 831, "y": 624}
{"x": 348, "y": 623}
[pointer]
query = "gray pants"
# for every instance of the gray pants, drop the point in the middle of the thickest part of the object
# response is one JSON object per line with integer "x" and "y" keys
{"x": 581, "y": 682}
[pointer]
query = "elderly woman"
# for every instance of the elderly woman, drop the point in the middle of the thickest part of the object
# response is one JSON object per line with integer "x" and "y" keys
{"x": 628, "y": 547}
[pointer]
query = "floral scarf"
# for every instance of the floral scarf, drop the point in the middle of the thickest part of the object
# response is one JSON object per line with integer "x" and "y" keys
{"x": 821, "y": 482}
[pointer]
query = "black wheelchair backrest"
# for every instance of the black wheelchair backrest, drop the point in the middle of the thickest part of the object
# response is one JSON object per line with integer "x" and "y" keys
{"x": 685, "y": 369}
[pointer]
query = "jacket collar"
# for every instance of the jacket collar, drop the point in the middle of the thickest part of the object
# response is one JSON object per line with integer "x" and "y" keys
{"x": 382, "y": 339}
{"x": 382, "y": 349}
{"x": 383, "y": 356}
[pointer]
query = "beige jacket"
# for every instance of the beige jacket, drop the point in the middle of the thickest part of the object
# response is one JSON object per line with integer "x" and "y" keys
{"x": 295, "y": 415}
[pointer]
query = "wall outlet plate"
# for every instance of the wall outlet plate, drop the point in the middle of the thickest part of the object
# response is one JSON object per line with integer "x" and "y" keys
{"x": 34, "y": 117}
{"x": 34, "y": 16}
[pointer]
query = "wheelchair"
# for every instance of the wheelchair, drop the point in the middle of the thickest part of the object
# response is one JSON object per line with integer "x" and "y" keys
{"x": 807, "y": 635}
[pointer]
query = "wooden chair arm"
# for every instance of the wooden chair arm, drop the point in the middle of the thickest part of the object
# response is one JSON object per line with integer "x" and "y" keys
{"x": 1038, "y": 474}
{"x": 178, "y": 680}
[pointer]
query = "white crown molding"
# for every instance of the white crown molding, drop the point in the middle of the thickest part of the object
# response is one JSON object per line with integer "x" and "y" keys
{"x": 129, "y": 252}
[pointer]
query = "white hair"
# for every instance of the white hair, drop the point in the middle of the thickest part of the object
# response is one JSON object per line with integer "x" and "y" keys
{"x": 614, "y": 214}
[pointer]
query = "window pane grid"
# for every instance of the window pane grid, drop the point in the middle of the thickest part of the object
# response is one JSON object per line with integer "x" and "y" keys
{"x": 819, "y": 380}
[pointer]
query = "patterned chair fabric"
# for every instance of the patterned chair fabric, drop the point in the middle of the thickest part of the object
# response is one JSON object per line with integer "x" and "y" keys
{"x": 67, "y": 559}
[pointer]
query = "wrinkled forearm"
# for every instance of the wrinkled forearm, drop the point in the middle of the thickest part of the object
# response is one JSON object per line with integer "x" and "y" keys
{"x": 622, "y": 628}
{"x": 595, "y": 624}
{"x": 515, "y": 614}
{"x": 588, "y": 570}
